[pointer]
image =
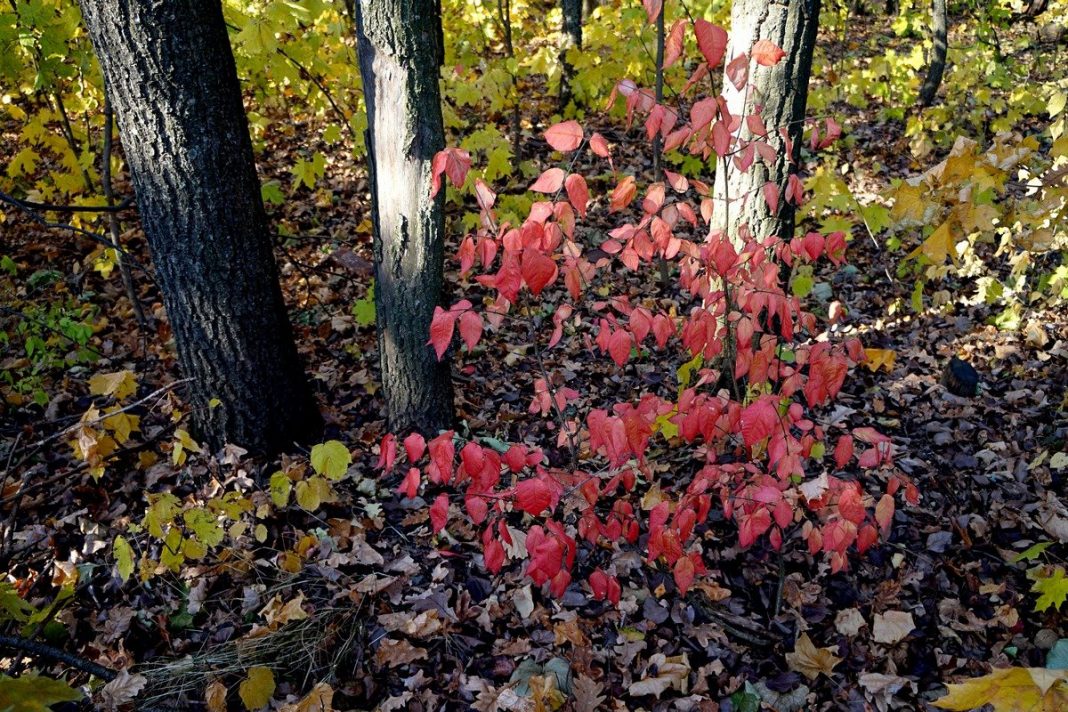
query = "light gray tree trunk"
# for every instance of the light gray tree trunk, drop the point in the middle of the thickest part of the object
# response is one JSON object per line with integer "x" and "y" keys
{"x": 782, "y": 90}
{"x": 170, "y": 74}
{"x": 937, "y": 65}
{"x": 400, "y": 52}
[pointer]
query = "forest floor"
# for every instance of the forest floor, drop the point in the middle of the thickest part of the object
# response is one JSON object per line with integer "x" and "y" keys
{"x": 399, "y": 620}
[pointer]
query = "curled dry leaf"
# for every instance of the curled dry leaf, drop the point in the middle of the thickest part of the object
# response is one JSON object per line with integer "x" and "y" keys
{"x": 809, "y": 660}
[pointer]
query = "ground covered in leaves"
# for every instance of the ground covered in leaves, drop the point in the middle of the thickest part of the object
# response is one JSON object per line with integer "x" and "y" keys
{"x": 358, "y": 603}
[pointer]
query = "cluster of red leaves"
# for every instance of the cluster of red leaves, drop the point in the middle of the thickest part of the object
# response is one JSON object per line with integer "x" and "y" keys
{"x": 764, "y": 457}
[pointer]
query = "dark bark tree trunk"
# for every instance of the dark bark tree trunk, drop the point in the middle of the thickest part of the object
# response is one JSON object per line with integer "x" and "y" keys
{"x": 782, "y": 90}
{"x": 401, "y": 52}
{"x": 572, "y": 37}
{"x": 937, "y": 65}
{"x": 170, "y": 73}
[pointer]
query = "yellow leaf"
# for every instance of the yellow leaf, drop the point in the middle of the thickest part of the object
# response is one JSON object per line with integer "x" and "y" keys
{"x": 938, "y": 246}
{"x": 119, "y": 384}
{"x": 320, "y": 699}
{"x": 809, "y": 660}
{"x": 880, "y": 358}
{"x": 909, "y": 205}
{"x": 331, "y": 459}
{"x": 278, "y": 614}
{"x": 124, "y": 557}
{"x": 258, "y": 688}
{"x": 1011, "y": 690}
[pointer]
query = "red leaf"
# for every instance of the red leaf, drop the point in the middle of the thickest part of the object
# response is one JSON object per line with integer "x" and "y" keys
{"x": 711, "y": 40}
{"x": 549, "y": 182}
{"x": 619, "y": 346}
{"x": 652, "y": 9}
{"x": 414, "y": 447}
{"x": 470, "y": 328}
{"x": 721, "y": 139}
{"x": 843, "y": 451}
{"x": 674, "y": 43}
{"x": 494, "y": 556}
{"x": 453, "y": 162}
{"x": 766, "y": 53}
{"x": 533, "y": 496}
{"x": 388, "y": 452}
{"x": 884, "y": 513}
{"x": 564, "y": 136}
{"x": 623, "y": 194}
{"x": 771, "y": 196}
{"x": 439, "y": 512}
{"x": 684, "y": 574}
{"x": 441, "y": 327}
{"x": 599, "y": 145}
{"x": 537, "y": 269}
{"x": 410, "y": 485}
{"x": 577, "y": 193}
{"x": 759, "y": 420}
{"x": 738, "y": 71}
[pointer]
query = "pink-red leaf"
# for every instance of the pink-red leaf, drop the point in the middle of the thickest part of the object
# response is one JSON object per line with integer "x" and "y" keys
{"x": 766, "y": 53}
{"x": 442, "y": 325}
{"x": 439, "y": 513}
{"x": 537, "y": 269}
{"x": 577, "y": 193}
{"x": 673, "y": 45}
{"x": 564, "y": 136}
{"x": 470, "y": 328}
{"x": 711, "y": 40}
{"x": 549, "y": 182}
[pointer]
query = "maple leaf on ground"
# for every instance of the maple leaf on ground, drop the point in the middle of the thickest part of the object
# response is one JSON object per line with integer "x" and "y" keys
{"x": 809, "y": 660}
{"x": 1013, "y": 689}
{"x": 1054, "y": 589}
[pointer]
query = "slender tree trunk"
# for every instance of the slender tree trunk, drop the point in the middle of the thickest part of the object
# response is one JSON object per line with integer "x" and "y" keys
{"x": 171, "y": 75}
{"x": 572, "y": 37}
{"x": 782, "y": 91}
{"x": 401, "y": 51}
{"x": 588, "y": 6}
{"x": 937, "y": 65}
{"x": 658, "y": 93}
{"x": 504, "y": 16}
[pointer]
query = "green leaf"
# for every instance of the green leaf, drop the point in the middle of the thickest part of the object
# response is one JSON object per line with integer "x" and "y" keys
{"x": 1032, "y": 552}
{"x": 124, "y": 557}
{"x": 281, "y": 486}
{"x": 31, "y": 692}
{"x": 364, "y": 309}
{"x": 331, "y": 459}
{"x": 1053, "y": 587}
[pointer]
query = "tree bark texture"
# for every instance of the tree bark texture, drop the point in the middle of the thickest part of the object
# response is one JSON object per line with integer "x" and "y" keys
{"x": 572, "y": 37}
{"x": 400, "y": 53}
{"x": 782, "y": 91}
{"x": 171, "y": 76}
{"x": 936, "y": 67}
